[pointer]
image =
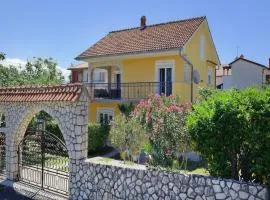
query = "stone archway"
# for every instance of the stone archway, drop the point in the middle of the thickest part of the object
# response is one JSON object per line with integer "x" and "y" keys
{"x": 67, "y": 104}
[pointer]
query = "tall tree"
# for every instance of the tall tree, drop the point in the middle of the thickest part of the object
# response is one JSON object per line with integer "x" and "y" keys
{"x": 37, "y": 71}
{"x": 2, "y": 56}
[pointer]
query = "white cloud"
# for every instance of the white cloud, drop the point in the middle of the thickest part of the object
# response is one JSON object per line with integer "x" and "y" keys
{"x": 21, "y": 65}
{"x": 14, "y": 61}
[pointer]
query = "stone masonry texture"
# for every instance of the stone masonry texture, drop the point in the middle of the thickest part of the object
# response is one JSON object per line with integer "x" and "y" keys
{"x": 97, "y": 181}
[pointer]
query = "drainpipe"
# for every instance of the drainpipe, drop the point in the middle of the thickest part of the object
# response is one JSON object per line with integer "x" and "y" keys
{"x": 191, "y": 73}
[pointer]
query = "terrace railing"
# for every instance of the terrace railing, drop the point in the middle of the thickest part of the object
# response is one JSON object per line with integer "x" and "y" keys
{"x": 132, "y": 90}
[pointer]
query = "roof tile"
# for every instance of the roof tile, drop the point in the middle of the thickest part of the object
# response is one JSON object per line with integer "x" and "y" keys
{"x": 69, "y": 92}
{"x": 152, "y": 38}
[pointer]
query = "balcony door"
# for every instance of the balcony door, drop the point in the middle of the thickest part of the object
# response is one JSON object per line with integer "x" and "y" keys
{"x": 118, "y": 86}
{"x": 165, "y": 81}
{"x": 118, "y": 81}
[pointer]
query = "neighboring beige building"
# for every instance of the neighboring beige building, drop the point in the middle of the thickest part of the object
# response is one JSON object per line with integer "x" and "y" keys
{"x": 79, "y": 73}
{"x": 242, "y": 73}
{"x": 221, "y": 72}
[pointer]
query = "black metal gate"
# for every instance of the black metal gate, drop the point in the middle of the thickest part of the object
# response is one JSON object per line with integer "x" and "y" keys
{"x": 43, "y": 161}
{"x": 2, "y": 153}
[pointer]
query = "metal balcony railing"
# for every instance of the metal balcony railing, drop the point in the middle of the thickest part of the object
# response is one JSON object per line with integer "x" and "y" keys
{"x": 132, "y": 90}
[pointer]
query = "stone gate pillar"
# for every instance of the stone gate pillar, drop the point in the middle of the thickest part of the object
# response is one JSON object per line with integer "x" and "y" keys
{"x": 67, "y": 104}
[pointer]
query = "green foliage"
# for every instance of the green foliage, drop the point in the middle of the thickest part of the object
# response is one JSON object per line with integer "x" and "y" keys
{"x": 37, "y": 71}
{"x": 50, "y": 124}
{"x": 52, "y": 127}
{"x": 148, "y": 148}
{"x": 126, "y": 108}
{"x": 2, "y": 56}
{"x": 205, "y": 92}
{"x": 164, "y": 118}
{"x": 231, "y": 129}
{"x": 128, "y": 135}
{"x": 97, "y": 137}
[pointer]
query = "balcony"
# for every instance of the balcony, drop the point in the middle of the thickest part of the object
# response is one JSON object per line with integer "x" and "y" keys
{"x": 128, "y": 91}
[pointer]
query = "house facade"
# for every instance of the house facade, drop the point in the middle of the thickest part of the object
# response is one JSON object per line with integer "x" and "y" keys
{"x": 150, "y": 59}
{"x": 245, "y": 73}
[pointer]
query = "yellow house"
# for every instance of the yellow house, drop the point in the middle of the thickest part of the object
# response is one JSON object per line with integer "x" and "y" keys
{"x": 175, "y": 58}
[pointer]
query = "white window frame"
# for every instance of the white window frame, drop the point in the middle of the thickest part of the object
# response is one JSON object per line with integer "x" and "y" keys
{"x": 164, "y": 64}
{"x": 202, "y": 47}
{"x": 109, "y": 111}
{"x": 209, "y": 74}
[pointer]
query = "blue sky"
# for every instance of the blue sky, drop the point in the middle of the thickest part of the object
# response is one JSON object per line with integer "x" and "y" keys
{"x": 63, "y": 29}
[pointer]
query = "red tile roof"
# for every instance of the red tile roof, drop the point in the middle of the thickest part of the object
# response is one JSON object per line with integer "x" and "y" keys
{"x": 69, "y": 92}
{"x": 157, "y": 37}
{"x": 79, "y": 66}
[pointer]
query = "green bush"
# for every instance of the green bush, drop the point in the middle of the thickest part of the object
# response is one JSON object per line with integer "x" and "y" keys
{"x": 128, "y": 135}
{"x": 126, "y": 108}
{"x": 97, "y": 137}
{"x": 231, "y": 130}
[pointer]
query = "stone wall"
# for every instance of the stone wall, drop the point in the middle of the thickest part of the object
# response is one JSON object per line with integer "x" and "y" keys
{"x": 105, "y": 180}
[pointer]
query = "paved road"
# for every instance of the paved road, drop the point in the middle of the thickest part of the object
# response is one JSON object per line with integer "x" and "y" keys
{"x": 7, "y": 193}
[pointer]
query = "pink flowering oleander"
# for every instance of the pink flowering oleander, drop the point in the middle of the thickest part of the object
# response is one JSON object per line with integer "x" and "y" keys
{"x": 160, "y": 116}
{"x": 156, "y": 105}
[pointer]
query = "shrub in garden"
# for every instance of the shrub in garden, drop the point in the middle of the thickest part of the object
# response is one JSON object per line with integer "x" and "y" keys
{"x": 97, "y": 136}
{"x": 126, "y": 108}
{"x": 205, "y": 92}
{"x": 231, "y": 129}
{"x": 128, "y": 135}
{"x": 164, "y": 119}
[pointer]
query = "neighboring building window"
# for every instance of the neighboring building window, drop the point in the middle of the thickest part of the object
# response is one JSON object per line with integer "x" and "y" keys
{"x": 105, "y": 116}
{"x": 210, "y": 72}
{"x": 202, "y": 47}
{"x": 186, "y": 73}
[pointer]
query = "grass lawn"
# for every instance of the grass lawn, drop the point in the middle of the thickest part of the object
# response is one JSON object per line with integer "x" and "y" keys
{"x": 199, "y": 171}
{"x": 199, "y": 168}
